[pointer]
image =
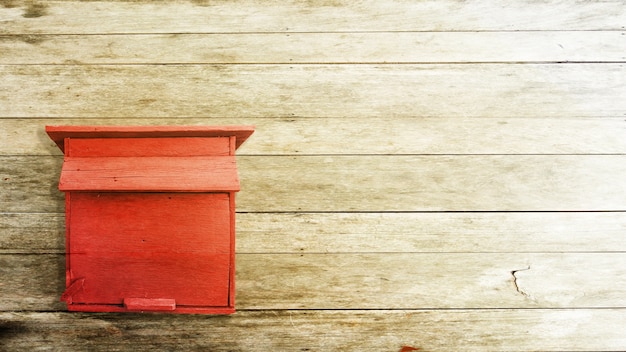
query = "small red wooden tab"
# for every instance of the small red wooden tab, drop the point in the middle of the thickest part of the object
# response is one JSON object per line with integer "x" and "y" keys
{"x": 149, "y": 304}
{"x": 150, "y": 217}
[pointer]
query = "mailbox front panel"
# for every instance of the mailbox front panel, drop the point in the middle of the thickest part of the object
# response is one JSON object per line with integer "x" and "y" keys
{"x": 174, "y": 246}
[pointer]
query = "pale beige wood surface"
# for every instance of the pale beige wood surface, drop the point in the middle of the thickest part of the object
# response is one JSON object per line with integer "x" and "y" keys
{"x": 379, "y": 330}
{"x": 373, "y": 232}
{"x": 374, "y": 280}
{"x": 291, "y": 48}
{"x": 481, "y": 90}
{"x": 438, "y": 174}
{"x": 194, "y": 16}
{"x": 410, "y": 135}
{"x": 379, "y": 183}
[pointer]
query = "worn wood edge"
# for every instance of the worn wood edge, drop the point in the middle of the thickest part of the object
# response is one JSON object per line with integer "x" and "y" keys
{"x": 42, "y": 233}
{"x": 232, "y": 91}
{"x": 374, "y": 281}
{"x": 388, "y": 183}
{"x": 411, "y": 135}
{"x": 428, "y": 330}
{"x": 309, "y": 48}
{"x": 89, "y": 17}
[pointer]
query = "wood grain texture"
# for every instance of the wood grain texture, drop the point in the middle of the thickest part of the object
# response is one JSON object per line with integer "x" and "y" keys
{"x": 172, "y": 16}
{"x": 155, "y": 245}
{"x": 32, "y": 233}
{"x": 375, "y": 281}
{"x": 380, "y": 123}
{"x": 150, "y": 174}
{"x": 441, "y": 280}
{"x": 148, "y": 147}
{"x": 433, "y": 183}
{"x": 294, "y": 48}
{"x": 372, "y": 232}
{"x": 379, "y": 183}
{"x": 430, "y": 330}
{"x": 411, "y": 135}
{"x": 430, "y": 232}
{"x": 546, "y": 90}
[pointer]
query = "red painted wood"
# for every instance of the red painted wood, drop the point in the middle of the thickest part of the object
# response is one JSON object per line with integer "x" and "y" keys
{"x": 155, "y": 174}
{"x": 178, "y": 146}
{"x": 150, "y": 217}
{"x": 155, "y": 245}
{"x": 73, "y": 288}
{"x": 59, "y": 133}
{"x": 232, "y": 248}
{"x": 149, "y": 304}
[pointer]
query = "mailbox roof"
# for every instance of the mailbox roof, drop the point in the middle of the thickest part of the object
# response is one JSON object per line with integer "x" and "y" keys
{"x": 59, "y": 133}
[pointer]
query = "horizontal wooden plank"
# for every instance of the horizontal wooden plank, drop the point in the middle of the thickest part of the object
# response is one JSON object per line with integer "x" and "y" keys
{"x": 30, "y": 183}
{"x": 441, "y": 280}
{"x": 428, "y": 330}
{"x": 373, "y": 232}
{"x": 432, "y": 183}
{"x": 32, "y": 233}
{"x": 376, "y": 135}
{"x": 374, "y": 280}
{"x": 150, "y": 174}
{"x": 378, "y": 183}
{"x": 270, "y": 48}
{"x": 430, "y": 232}
{"x": 21, "y": 16}
{"x": 546, "y": 90}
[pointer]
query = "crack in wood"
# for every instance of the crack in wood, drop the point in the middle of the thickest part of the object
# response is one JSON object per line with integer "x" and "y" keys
{"x": 517, "y": 288}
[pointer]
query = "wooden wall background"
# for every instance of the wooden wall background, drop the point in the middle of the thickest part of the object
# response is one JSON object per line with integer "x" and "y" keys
{"x": 446, "y": 175}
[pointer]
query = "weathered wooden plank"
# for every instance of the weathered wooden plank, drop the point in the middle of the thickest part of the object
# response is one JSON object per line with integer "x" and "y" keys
{"x": 21, "y": 16}
{"x": 430, "y": 232}
{"x": 418, "y": 183}
{"x": 270, "y": 48}
{"x": 378, "y": 183}
{"x": 374, "y": 280}
{"x": 373, "y": 232}
{"x": 410, "y": 135}
{"x": 29, "y": 184}
{"x": 32, "y": 233}
{"x": 44, "y": 273}
{"x": 438, "y": 280}
{"x": 433, "y": 183}
{"x": 546, "y": 90}
{"x": 429, "y": 330}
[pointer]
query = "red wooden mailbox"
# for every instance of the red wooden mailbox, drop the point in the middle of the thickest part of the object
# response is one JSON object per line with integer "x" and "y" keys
{"x": 150, "y": 217}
